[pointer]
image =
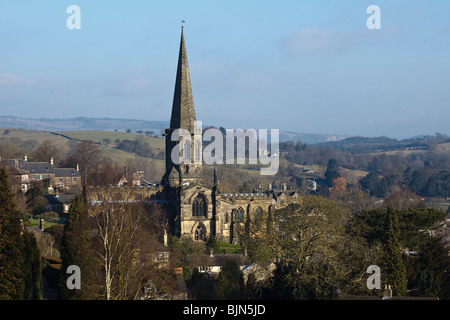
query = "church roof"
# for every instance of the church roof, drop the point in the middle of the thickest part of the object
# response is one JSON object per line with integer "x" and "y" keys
{"x": 183, "y": 112}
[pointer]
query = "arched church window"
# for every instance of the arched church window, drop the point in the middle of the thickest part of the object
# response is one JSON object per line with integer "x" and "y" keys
{"x": 258, "y": 213}
{"x": 199, "y": 206}
{"x": 200, "y": 233}
{"x": 185, "y": 151}
{"x": 239, "y": 215}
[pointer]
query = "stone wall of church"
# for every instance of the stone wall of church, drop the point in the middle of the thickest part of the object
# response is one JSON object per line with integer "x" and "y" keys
{"x": 236, "y": 210}
{"x": 189, "y": 223}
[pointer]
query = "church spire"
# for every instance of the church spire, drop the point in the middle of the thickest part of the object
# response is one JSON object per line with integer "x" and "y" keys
{"x": 183, "y": 112}
{"x": 183, "y": 117}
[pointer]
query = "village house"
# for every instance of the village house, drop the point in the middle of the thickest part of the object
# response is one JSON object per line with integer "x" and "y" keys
{"x": 213, "y": 264}
{"x": 61, "y": 179}
{"x": 59, "y": 203}
{"x": 19, "y": 179}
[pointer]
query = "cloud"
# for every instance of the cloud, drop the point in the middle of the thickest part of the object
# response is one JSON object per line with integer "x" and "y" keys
{"x": 136, "y": 85}
{"x": 12, "y": 79}
{"x": 319, "y": 40}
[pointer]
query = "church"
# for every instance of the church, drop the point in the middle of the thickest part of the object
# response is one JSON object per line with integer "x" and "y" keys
{"x": 199, "y": 210}
{"x": 196, "y": 210}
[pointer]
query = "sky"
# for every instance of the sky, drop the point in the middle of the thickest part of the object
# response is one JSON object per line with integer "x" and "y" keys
{"x": 301, "y": 66}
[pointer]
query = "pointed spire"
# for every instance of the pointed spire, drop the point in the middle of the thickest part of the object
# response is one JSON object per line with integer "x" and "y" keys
{"x": 183, "y": 112}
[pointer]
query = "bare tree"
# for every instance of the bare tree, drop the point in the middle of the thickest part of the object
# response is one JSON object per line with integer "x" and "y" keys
{"x": 147, "y": 165}
{"x": 45, "y": 151}
{"x": 125, "y": 244}
{"x": 88, "y": 156}
{"x": 404, "y": 199}
{"x": 46, "y": 246}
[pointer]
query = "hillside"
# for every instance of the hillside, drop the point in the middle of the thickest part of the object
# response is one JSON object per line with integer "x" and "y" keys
{"x": 122, "y": 125}
{"x": 232, "y": 176}
{"x": 300, "y": 162}
{"x": 26, "y": 140}
{"x": 386, "y": 144}
{"x": 82, "y": 123}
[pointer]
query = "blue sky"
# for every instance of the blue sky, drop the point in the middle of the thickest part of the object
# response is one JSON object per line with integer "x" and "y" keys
{"x": 304, "y": 66}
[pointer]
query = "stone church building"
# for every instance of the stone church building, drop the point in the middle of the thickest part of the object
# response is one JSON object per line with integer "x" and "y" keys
{"x": 200, "y": 210}
{"x": 196, "y": 209}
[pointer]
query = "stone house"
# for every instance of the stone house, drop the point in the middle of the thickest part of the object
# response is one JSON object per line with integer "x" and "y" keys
{"x": 60, "y": 178}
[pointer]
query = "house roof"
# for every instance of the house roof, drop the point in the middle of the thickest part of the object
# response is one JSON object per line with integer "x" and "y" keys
{"x": 59, "y": 199}
{"x": 36, "y": 167}
{"x": 36, "y": 230}
{"x": 41, "y": 168}
{"x": 221, "y": 259}
{"x": 16, "y": 172}
{"x": 66, "y": 172}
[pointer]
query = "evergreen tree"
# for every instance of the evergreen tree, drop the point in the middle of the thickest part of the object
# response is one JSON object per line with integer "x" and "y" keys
{"x": 11, "y": 244}
{"x": 75, "y": 249}
{"x": 416, "y": 184}
{"x": 370, "y": 183}
{"x": 32, "y": 268}
{"x": 407, "y": 175}
{"x": 332, "y": 171}
{"x": 230, "y": 282}
{"x": 393, "y": 258}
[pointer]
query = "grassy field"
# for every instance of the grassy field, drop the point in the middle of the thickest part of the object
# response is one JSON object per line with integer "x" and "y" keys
{"x": 99, "y": 136}
{"x": 122, "y": 158}
{"x": 34, "y": 135}
{"x": 352, "y": 176}
{"x": 230, "y": 248}
{"x": 61, "y": 139}
{"x": 443, "y": 147}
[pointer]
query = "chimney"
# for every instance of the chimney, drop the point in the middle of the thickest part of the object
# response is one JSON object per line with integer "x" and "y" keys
{"x": 165, "y": 238}
{"x": 178, "y": 270}
{"x": 51, "y": 161}
{"x": 387, "y": 294}
{"x": 25, "y": 158}
{"x": 41, "y": 225}
{"x": 78, "y": 167}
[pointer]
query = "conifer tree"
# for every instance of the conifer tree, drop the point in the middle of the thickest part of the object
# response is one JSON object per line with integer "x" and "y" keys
{"x": 32, "y": 268}
{"x": 392, "y": 256}
{"x": 11, "y": 244}
{"x": 332, "y": 171}
{"x": 75, "y": 249}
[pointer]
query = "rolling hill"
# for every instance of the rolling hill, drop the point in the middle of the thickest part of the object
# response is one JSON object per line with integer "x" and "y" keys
{"x": 122, "y": 125}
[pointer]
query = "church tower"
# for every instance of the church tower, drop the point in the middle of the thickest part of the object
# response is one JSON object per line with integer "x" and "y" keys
{"x": 188, "y": 168}
{"x": 191, "y": 202}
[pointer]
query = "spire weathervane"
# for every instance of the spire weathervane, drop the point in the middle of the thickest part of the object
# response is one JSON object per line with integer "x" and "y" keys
{"x": 182, "y": 23}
